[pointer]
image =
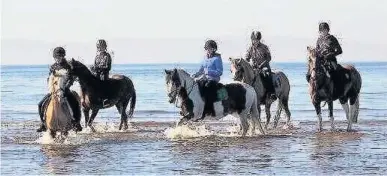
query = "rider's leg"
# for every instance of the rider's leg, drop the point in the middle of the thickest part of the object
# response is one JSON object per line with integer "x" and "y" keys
{"x": 76, "y": 108}
{"x": 269, "y": 84}
{"x": 211, "y": 95}
{"x": 41, "y": 109}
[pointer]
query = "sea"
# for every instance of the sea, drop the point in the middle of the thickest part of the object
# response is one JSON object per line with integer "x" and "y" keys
{"x": 154, "y": 145}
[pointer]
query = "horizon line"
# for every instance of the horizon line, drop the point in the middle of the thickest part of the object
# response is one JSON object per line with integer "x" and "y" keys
{"x": 169, "y": 63}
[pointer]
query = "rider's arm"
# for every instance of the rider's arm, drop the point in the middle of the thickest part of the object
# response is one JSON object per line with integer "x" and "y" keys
{"x": 248, "y": 54}
{"x": 336, "y": 48}
{"x": 218, "y": 71}
{"x": 107, "y": 62}
{"x": 201, "y": 70}
{"x": 268, "y": 55}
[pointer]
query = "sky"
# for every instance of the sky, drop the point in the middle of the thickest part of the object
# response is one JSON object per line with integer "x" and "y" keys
{"x": 174, "y": 31}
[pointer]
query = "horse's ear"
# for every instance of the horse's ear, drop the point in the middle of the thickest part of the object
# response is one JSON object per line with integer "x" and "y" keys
{"x": 230, "y": 59}
{"x": 238, "y": 61}
{"x": 167, "y": 71}
{"x": 309, "y": 48}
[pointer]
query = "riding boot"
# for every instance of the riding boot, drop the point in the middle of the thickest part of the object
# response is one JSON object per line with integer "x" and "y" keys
{"x": 211, "y": 96}
{"x": 270, "y": 87}
{"x": 75, "y": 106}
{"x": 41, "y": 128}
{"x": 41, "y": 109}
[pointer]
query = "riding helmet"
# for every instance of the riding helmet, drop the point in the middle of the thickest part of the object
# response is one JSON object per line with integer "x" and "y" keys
{"x": 256, "y": 35}
{"x": 210, "y": 44}
{"x": 323, "y": 26}
{"x": 59, "y": 52}
{"x": 101, "y": 44}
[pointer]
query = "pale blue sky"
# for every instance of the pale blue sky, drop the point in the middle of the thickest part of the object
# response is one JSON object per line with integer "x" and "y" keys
{"x": 175, "y": 30}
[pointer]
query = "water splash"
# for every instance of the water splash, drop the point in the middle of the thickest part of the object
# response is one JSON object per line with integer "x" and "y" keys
{"x": 108, "y": 127}
{"x": 47, "y": 139}
{"x": 186, "y": 131}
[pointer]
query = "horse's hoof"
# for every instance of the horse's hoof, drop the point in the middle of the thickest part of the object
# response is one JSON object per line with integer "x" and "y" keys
{"x": 92, "y": 129}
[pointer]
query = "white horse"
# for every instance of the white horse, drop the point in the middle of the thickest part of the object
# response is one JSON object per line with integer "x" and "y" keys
{"x": 241, "y": 102}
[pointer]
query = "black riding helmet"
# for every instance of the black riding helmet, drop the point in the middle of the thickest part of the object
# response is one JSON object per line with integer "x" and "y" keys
{"x": 59, "y": 52}
{"x": 256, "y": 35}
{"x": 323, "y": 26}
{"x": 210, "y": 44}
{"x": 101, "y": 44}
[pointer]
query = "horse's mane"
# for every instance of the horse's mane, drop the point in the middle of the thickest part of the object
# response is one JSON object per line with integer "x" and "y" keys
{"x": 181, "y": 71}
{"x": 313, "y": 59}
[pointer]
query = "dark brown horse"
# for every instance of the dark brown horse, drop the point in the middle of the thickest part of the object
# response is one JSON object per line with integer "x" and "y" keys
{"x": 117, "y": 90}
{"x": 321, "y": 88}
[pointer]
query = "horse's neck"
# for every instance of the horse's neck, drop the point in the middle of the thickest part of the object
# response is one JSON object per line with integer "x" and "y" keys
{"x": 189, "y": 84}
{"x": 252, "y": 77}
{"x": 88, "y": 82}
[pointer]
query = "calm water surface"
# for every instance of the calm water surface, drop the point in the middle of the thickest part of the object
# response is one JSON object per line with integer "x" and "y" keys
{"x": 153, "y": 146}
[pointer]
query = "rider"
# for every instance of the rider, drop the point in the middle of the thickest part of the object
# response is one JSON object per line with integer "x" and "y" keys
{"x": 260, "y": 56}
{"x": 59, "y": 54}
{"x": 103, "y": 61}
{"x": 209, "y": 74}
{"x": 328, "y": 47}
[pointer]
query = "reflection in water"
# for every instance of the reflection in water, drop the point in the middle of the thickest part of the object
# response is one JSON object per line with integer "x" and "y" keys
{"x": 58, "y": 158}
{"x": 221, "y": 155}
{"x": 329, "y": 148}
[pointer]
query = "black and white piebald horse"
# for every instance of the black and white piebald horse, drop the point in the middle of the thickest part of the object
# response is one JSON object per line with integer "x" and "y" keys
{"x": 241, "y": 101}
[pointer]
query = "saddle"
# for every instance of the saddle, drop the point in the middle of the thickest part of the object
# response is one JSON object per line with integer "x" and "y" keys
{"x": 212, "y": 92}
{"x": 267, "y": 80}
{"x": 209, "y": 90}
{"x": 339, "y": 76}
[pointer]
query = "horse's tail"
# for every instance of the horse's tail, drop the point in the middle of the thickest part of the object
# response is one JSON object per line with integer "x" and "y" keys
{"x": 132, "y": 104}
{"x": 356, "y": 112}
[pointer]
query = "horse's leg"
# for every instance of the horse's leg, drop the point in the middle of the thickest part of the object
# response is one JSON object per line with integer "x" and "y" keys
{"x": 119, "y": 109}
{"x": 124, "y": 116}
{"x": 278, "y": 114}
{"x": 352, "y": 111}
{"x": 267, "y": 110}
{"x": 344, "y": 104}
{"x": 331, "y": 118}
{"x": 52, "y": 134}
{"x": 285, "y": 106}
{"x": 244, "y": 123}
{"x": 94, "y": 113}
{"x": 256, "y": 116}
{"x": 86, "y": 113}
{"x": 317, "y": 107}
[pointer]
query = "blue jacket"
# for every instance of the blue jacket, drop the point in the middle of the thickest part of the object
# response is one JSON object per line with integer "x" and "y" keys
{"x": 212, "y": 68}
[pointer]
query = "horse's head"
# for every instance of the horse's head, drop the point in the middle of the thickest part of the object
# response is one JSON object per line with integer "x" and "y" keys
{"x": 173, "y": 83}
{"x": 240, "y": 69}
{"x": 78, "y": 68}
{"x": 311, "y": 53}
{"x": 315, "y": 67}
{"x": 57, "y": 83}
{"x": 174, "y": 79}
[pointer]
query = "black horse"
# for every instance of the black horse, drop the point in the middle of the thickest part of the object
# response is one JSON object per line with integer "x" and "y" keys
{"x": 96, "y": 94}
